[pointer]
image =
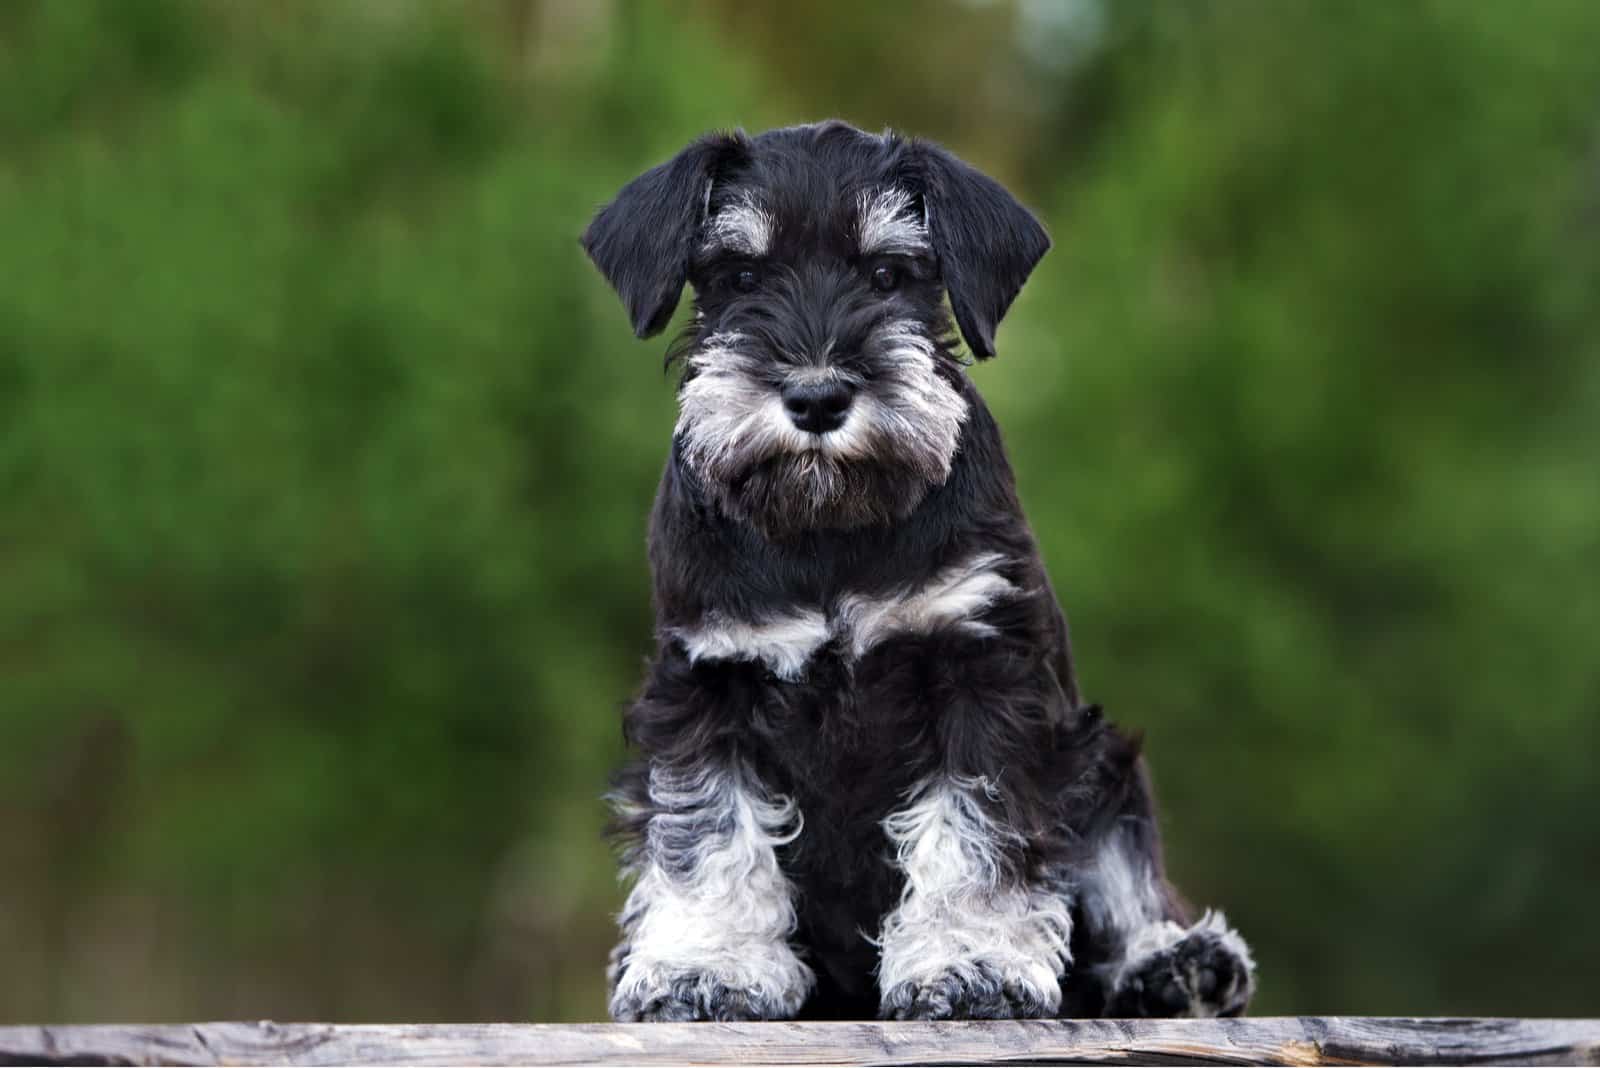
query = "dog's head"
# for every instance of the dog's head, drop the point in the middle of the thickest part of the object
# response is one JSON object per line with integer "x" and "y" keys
{"x": 821, "y": 388}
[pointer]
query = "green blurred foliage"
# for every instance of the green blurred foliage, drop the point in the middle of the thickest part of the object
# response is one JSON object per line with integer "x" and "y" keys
{"x": 325, "y": 460}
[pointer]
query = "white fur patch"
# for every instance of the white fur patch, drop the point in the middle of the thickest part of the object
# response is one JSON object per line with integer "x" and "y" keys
{"x": 956, "y": 912}
{"x": 953, "y": 596}
{"x": 724, "y": 912}
{"x": 1119, "y": 892}
{"x": 885, "y": 224}
{"x": 743, "y": 227}
{"x": 785, "y": 644}
{"x": 724, "y": 410}
{"x": 921, "y": 409}
{"x": 730, "y": 415}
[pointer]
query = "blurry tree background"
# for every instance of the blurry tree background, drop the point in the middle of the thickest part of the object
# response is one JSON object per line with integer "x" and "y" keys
{"x": 325, "y": 459}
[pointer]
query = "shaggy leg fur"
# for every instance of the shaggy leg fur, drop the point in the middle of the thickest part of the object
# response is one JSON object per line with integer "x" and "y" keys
{"x": 706, "y": 926}
{"x": 967, "y": 941}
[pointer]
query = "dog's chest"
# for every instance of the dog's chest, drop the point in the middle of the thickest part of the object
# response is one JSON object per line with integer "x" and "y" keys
{"x": 842, "y": 721}
{"x": 803, "y": 642}
{"x": 840, "y": 717}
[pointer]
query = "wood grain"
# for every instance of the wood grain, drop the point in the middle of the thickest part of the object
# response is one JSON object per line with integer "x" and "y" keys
{"x": 1259, "y": 1040}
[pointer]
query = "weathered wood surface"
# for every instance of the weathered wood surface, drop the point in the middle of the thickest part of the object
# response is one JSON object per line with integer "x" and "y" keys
{"x": 1258, "y": 1040}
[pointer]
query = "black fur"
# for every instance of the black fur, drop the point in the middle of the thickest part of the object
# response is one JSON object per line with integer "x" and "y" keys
{"x": 641, "y": 240}
{"x": 1198, "y": 969}
{"x": 849, "y": 738}
{"x": 988, "y": 244}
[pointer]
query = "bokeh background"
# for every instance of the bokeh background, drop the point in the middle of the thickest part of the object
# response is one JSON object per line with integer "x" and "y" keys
{"x": 325, "y": 459}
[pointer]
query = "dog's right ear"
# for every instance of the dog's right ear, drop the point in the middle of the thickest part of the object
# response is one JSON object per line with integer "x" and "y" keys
{"x": 641, "y": 241}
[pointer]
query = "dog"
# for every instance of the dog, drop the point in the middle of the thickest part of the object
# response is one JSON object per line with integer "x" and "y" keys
{"x": 866, "y": 783}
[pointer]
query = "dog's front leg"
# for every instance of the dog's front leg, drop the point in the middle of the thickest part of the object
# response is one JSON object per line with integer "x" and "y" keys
{"x": 969, "y": 939}
{"x": 706, "y": 926}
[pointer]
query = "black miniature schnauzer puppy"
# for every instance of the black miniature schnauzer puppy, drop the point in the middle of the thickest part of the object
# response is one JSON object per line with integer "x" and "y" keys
{"x": 866, "y": 781}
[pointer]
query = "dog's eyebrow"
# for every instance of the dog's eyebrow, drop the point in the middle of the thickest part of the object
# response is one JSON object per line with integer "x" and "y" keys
{"x": 743, "y": 227}
{"x": 885, "y": 223}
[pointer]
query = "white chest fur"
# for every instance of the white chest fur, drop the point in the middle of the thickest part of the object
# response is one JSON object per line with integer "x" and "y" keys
{"x": 954, "y": 597}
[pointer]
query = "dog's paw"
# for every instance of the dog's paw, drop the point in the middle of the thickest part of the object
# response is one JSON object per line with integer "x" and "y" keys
{"x": 696, "y": 997}
{"x": 772, "y": 984}
{"x": 1204, "y": 971}
{"x": 975, "y": 992}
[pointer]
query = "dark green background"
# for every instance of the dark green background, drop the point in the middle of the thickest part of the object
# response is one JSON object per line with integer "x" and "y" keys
{"x": 325, "y": 459}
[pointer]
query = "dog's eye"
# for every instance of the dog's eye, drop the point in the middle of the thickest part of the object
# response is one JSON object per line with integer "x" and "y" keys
{"x": 885, "y": 279}
{"x": 747, "y": 280}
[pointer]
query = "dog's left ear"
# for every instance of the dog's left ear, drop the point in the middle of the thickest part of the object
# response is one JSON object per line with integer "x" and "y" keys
{"x": 641, "y": 241}
{"x": 987, "y": 243}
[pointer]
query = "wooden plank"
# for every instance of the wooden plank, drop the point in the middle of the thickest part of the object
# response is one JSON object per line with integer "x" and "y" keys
{"x": 1258, "y": 1040}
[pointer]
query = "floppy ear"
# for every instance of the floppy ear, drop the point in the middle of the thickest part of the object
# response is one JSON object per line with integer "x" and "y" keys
{"x": 641, "y": 240}
{"x": 987, "y": 243}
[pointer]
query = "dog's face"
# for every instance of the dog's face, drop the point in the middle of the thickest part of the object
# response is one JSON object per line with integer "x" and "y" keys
{"x": 820, "y": 388}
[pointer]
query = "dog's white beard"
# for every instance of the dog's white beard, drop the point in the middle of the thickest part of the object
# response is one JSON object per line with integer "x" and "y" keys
{"x": 898, "y": 439}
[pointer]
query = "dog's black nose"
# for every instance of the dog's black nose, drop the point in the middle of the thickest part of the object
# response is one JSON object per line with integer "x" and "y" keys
{"x": 817, "y": 407}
